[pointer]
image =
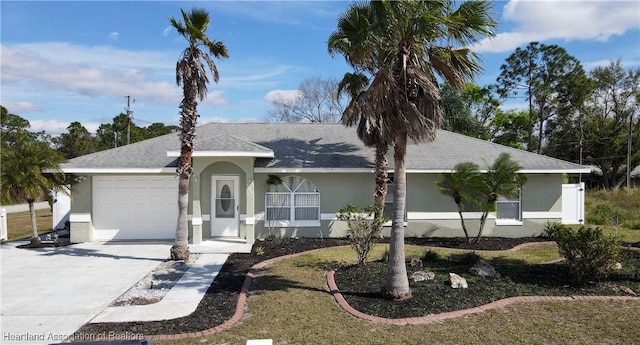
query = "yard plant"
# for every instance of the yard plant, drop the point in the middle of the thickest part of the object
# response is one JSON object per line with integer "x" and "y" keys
{"x": 364, "y": 228}
{"x": 588, "y": 252}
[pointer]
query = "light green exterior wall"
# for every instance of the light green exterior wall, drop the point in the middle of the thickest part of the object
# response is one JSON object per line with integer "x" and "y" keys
{"x": 541, "y": 197}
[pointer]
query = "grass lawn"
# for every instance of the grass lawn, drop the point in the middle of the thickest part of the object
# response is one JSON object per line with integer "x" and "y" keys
{"x": 19, "y": 224}
{"x": 291, "y": 305}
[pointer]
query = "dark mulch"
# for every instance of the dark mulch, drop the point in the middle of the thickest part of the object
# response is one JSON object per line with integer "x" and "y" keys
{"x": 361, "y": 285}
{"x": 219, "y": 303}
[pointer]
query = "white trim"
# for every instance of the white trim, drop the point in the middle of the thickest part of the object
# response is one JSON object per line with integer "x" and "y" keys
{"x": 445, "y": 215}
{"x": 541, "y": 215}
{"x": 196, "y": 153}
{"x": 328, "y": 216}
{"x": 80, "y": 217}
{"x": 312, "y": 170}
{"x": 206, "y": 217}
{"x": 523, "y": 171}
{"x": 294, "y": 224}
{"x": 500, "y": 222}
{"x": 119, "y": 170}
{"x": 249, "y": 220}
{"x": 196, "y": 220}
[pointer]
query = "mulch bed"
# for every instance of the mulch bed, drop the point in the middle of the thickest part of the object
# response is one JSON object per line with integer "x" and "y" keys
{"x": 219, "y": 303}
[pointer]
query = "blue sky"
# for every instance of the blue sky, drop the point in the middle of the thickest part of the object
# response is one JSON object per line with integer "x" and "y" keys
{"x": 77, "y": 60}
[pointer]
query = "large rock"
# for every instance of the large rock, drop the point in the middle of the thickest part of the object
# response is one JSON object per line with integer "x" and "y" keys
{"x": 422, "y": 276}
{"x": 457, "y": 282}
{"x": 484, "y": 269}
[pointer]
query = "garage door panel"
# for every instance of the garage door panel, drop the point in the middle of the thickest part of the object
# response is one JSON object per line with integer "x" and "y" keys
{"x": 135, "y": 207}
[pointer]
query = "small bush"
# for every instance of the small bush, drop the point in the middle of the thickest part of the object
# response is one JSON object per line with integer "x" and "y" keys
{"x": 589, "y": 253}
{"x": 430, "y": 255}
{"x": 364, "y": 230}
{"x": 468, "y": 258}
{"x": 605, "y": 214}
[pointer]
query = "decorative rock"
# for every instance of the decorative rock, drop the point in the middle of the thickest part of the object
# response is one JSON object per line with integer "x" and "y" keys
{"x": 457, "y": 282}
{"x": 628, "y": 291}
{"x": 415, "y": 261}
{"x": 484, "y": 269}
{"x": 421, "y": 276}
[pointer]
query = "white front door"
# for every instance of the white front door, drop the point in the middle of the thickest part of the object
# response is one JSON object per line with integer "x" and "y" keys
{"x": 225, "y": 206}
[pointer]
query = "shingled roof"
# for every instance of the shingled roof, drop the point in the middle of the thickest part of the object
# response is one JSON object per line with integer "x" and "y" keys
{"x": 306, "y": 146}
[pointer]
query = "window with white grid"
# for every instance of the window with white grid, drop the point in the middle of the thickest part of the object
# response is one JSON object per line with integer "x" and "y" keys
{"x": 295, "y": 200}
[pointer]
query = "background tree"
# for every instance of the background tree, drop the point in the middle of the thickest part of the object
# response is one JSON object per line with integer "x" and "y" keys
{"x": 463, "y": 184}
{"x": 76, "y": 142}
{"x": 470, "y": 110}
{"x": 403, "y": 96}
{"x": 191, "y": 74}
{"x": 510, "y": 128}
{"x": 27, "y": 162}
{"x": 546, "y": 76}
{"x": 315, "y": 101}
{"x": 610, "y": 115}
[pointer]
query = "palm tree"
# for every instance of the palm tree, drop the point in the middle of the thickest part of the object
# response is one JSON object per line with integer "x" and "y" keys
{"x": 462, "y": 184}
{"x": 29, "y": 171}
{"x": 191, "y": 73}
{"x": 350, "y": 40}
{"x": 402, "y": 48}
{"x": 502, "y": 179}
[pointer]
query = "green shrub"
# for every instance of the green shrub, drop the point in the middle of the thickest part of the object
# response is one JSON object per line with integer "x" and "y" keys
{"x": 606, "y": 214}
{"x": 467, "y": 258}
{"x": 589, "y": 254}
{"x": 364, "y": 230}
{"x": 430, "y": 255}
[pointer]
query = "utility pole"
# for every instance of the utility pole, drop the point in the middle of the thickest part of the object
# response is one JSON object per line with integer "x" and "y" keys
{"x": 129, "y": 117}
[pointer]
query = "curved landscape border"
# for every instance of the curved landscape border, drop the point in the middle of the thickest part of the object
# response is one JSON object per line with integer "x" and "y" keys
{"x": 339, "y": 298}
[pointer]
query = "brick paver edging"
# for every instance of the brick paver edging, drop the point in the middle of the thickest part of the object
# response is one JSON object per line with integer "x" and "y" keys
{"x": 333, "y": 289}
{"x": 242, "y": 301}
{"x": 339, "y": 298}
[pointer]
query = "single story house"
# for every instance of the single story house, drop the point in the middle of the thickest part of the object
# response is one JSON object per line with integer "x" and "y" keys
{"x": 130, "y": 192}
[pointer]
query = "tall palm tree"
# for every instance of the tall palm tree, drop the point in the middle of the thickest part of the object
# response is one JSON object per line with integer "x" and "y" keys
{"x": 191, "y": 73}
{"x": 405, "y": 46}
{"x": 462, "y": 184}
{"x": 502, "y": 179}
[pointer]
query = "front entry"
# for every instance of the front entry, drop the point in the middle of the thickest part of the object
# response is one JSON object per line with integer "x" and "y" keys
{"x": 225, "y": 203}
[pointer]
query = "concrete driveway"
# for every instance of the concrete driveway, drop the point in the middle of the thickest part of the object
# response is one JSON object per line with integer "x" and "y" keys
{"x": 47, "y": 294}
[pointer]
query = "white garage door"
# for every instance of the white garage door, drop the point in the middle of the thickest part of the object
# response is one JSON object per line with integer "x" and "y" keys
{"x": 135, "y": 207}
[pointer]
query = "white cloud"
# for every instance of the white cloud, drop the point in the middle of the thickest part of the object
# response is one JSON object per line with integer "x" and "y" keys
{"x": 114, "y": 36}
{"x": 564, "y": 20}
{"x": 112, "y": 72}
{"x": 20, "y": 107}
{"x": 166, "y": 31}
{"x": 282, "y": 96}
{"x": 49, "y": 126}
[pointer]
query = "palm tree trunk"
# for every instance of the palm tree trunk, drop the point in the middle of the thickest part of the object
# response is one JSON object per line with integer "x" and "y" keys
{"x": 35, "y": 239}
{"x": 397, "y": 283}
{"x": 381, "y": 178}
{"x": 464, "y": 227}
{"x": 483, "y": 220}
{"x": 180, "y": 249}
